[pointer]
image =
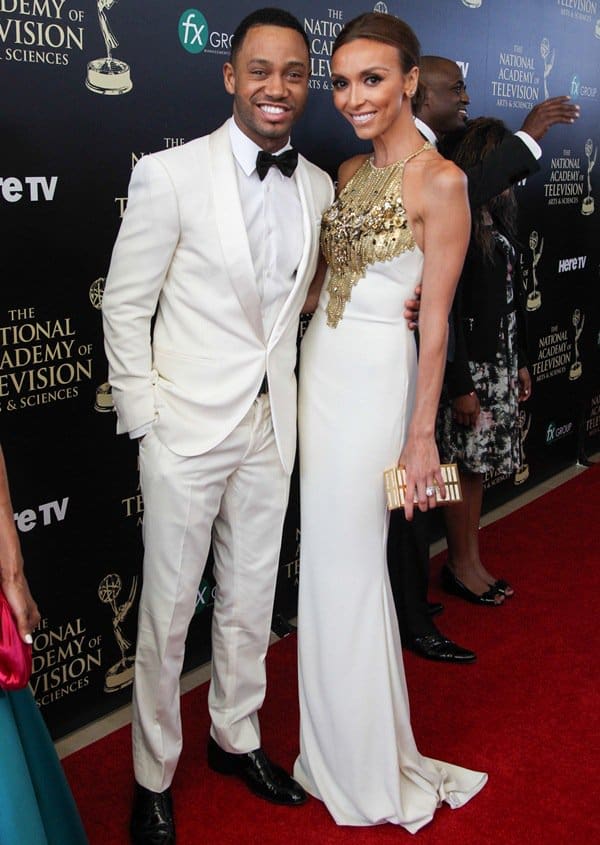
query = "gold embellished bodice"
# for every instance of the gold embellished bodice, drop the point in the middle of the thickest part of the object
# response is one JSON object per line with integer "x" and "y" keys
{"x": 367, "y": 223}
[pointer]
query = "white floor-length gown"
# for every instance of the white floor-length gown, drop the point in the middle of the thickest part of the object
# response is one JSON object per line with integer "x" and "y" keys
{"x": 357, "y": 380}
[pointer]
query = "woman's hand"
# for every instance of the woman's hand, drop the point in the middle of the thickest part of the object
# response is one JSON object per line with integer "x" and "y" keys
{"x": 465, "y": 409}
{"x": 524, "y": 384}
{"x": 421, "y": 459}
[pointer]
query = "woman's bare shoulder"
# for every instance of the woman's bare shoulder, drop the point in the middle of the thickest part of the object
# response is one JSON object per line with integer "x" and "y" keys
{"x": 443, "y": 176}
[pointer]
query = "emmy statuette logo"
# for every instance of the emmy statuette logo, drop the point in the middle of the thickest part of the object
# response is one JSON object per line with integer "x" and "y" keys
{"x": 472, "y": 4}
{"x": 381, "y": 7}
{"x": 576, "y": 368}
{"x": 587, "y": 206}
{"x": 120, "y": 675}
{"x": 534, "y": 297}
{"x": 548, "y": 57}
{"x": 524, "y": 423}
{"x": 96, "y": 292}
{"x": 103, "y": 401}
{"x": 108, "y": 75}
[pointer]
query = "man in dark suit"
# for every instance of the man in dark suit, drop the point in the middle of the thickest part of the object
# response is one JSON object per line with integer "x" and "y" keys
{"x": 441, "y": 110}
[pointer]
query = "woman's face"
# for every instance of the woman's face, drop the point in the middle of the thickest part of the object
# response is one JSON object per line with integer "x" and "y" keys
{"x": 369, "y": 88}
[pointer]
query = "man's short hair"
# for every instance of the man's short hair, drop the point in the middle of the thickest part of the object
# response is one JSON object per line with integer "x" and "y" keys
{"x": 268, "y": 16}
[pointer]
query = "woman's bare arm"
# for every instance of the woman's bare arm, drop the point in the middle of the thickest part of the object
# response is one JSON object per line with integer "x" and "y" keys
{"x": 446, "y": 229}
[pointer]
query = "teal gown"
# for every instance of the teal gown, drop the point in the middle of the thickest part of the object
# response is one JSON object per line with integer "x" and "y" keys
{"x": 36, "y": 804}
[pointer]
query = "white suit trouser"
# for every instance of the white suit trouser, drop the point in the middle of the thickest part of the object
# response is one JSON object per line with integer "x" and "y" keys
{"x": 237, "y": 494}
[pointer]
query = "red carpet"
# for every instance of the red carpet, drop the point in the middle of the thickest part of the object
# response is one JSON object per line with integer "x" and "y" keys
{"x": 526, "y": 712}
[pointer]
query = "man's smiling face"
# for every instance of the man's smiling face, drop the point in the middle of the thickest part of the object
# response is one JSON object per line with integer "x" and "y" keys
{"x": 269, "y": 82}
{"x": 446, "y": 100}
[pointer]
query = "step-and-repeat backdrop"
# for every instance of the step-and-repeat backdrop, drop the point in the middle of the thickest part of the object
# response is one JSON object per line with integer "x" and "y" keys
{"x": 71, "y": 135}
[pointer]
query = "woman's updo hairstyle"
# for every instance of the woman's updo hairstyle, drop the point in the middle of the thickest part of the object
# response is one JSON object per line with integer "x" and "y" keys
{"x": 387, "y": 29}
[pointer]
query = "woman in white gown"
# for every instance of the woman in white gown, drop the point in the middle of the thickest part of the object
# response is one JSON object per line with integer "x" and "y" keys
{"x": 401, "y": 217}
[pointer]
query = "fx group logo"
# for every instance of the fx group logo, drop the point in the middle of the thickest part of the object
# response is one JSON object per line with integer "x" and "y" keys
{"x": 193, "y": 31}
{"x": 579, "y": 89}
{"x": 557, "y": 432}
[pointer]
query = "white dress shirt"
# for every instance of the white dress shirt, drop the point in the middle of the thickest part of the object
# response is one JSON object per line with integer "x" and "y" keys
{"x": 273, "y": 216}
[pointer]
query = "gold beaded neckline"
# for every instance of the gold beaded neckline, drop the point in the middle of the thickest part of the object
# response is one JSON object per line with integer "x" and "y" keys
{"x": 367, "y": 223}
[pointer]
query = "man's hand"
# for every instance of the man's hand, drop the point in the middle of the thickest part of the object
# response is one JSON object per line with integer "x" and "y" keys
{"x": 465, "y": 409}
{"x": 524, "y": 384}
{"x": 411, "y": 309}
{"x": 547, "y": 113}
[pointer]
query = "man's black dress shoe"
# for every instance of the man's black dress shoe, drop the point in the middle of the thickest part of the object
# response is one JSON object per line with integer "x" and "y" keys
{"x": 451, "y": 584}
{"x": 152, "y": 820}
{"x": 437, "y": 647}
{"x": 262, "y": 777}
{"x": 434, "y": 607}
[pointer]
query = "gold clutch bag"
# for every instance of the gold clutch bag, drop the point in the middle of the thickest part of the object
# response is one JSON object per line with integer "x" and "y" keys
{"x": 395, "y": 486}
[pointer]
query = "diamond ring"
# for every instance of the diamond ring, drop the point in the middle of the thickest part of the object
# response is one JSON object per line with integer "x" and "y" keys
{"x": 429, "y": 491}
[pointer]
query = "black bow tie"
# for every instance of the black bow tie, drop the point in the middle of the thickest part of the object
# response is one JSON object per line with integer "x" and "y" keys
{"x": 286, "y": 162}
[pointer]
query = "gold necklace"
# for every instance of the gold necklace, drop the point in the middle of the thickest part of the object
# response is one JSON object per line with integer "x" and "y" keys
{"x": 366, "y": 223}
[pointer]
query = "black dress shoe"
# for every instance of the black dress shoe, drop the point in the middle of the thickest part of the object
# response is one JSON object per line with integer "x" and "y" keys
{"x": 451, "y": 584}
{"x": 262, "y": 777}
{"x": 152, "y": 820}
{"x": 434, "y": 607}
{"x": 437, "y": 647}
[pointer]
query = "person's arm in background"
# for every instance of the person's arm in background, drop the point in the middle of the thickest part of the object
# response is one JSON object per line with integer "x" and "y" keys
{"x": 516, "y": 157}
{"x": 458, "y": 381}
{"x": 12, "y": 577}
{"x": 525, "y": 383}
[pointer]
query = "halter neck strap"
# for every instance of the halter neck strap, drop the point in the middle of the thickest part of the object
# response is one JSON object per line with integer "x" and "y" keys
{"x": 403, "y": 161}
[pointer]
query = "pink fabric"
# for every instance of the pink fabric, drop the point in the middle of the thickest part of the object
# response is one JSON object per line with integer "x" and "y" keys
{"x": 15, "y": 655}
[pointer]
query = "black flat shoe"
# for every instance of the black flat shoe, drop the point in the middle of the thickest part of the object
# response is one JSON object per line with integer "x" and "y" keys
{"x": 501, "y": 586}
{"x": 263, "y": 778}
{"x": 152, "y": 821}
{"x": 437, "y": 647}
{"x": 434, "y": 607}
{"x": 451, "y": 584}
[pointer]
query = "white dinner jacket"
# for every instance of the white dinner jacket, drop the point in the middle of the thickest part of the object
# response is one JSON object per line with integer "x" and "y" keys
{"x": 182, "y": 254}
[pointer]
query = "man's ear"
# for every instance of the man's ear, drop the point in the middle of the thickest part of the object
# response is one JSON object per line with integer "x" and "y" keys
{"x": 229, "y": 77}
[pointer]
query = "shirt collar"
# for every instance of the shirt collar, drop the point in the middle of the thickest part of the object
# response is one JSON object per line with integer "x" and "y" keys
{"x": 244, "y": 149}
{"x": 426, "y": 131}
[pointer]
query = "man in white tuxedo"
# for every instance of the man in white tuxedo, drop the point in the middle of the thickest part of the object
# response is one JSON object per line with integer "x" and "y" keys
{"x": 218, "y": 245}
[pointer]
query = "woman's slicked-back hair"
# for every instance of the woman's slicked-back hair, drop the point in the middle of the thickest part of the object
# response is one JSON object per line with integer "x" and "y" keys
{"x": 269, "y": 16}
{"x": 377, "y": 26}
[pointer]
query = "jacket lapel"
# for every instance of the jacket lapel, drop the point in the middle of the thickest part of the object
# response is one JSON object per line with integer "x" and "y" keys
{"x": 232, "y": 231}
{"x": 309, "y": 227}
